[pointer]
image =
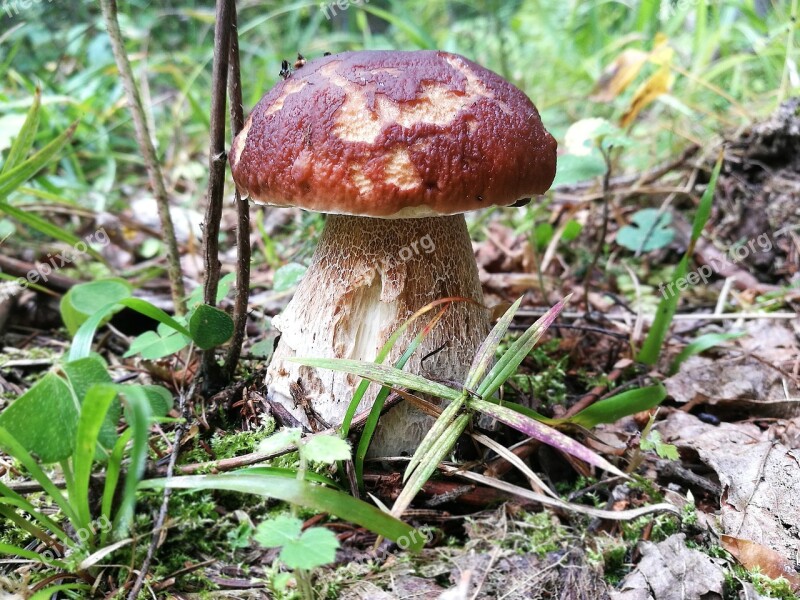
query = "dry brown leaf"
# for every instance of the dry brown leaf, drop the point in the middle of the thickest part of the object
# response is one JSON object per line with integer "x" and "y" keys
{"x": 751, "y": 555}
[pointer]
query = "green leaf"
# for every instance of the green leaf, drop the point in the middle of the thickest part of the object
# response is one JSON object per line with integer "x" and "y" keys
{"x": 649, "y": 230}
{"x": 654, "y": 442}
{"x": 316, "y": 547}
{"x": 299, "y": 549}
{"x": 44, "y": 419}
{"x": 701, "y": 344}
{"x": 651, "y": 349}
{"x": 27, "y": 134}
{"x": 81, "y": 376}
{"x": 47, "y": 228}
{"x": 306, "y": 494}
{"x": 571, "y": 230}
{"x": 287, "y": 277}
{"x": 325, "y": 449}
{"x": 276, "y": 532}
{"x": 151, "y": 345}
{"x": 210, "y": 326}
{"x": 621, "y": 405}
{"x": 86, "y": 299}
{"x": 440, "y": 426}
{"x": 382, "y": 374}
{"x": 574, "y": 169}
{"x": 280, "y": 440}
{"x": 13, "y": 178}
{"x": 195, "y": 299}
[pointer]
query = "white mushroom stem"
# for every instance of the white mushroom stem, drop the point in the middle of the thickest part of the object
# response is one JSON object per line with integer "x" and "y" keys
{"x": 367, "y": 277}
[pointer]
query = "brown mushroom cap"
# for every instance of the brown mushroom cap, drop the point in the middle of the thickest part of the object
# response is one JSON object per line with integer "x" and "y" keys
{"x": 394, "y": 135}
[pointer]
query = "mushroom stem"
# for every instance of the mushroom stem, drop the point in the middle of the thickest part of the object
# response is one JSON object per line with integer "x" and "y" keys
{"x": 367, "y": 277}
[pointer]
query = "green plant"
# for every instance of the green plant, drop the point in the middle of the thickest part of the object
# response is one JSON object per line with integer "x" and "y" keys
{"x": 70, "y": 417}
{"x": 476, "y": 396}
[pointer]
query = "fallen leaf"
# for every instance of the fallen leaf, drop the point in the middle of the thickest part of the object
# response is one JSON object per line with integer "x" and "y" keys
{"x": 619, "y": 74}
{"x": 658, "y": 83}
{"x": 770, "y": 563}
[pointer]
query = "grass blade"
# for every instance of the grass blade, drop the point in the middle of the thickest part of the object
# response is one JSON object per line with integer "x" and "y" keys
{"x": 27, "y": 134}
{"x": 434, "y": 433}
{"x": 290, "y": 489}
{"x": 440, "y": 449}
{"x": 13, "y": 178}
{"x": 30, "y": 555}
{"x": 651, "y": 349}
{"x": 621, "y": 405}
{"x": 96, "y": 404}
{"x": 13, "y": 448}
{"x": 382, "y": 374}
{"x": 375, "y": 412}
{"x": 701, "y": 344}
{"x": 508, "y": 363}
{"x": 485, "y": 354}
{"x": 543, "y": 433}
{"x": 383, "y": 353}
{"x": 113, "y": 470}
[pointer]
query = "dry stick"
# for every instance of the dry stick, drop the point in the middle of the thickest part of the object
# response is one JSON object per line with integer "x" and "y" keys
{"x": 242, "y": 212}
{"x": 148, "y": 153}
{"x": 162, "y": 512}
{"x": 216, "y": 177}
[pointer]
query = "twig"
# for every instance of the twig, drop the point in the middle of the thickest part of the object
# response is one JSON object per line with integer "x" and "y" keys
{"x": 217, "y": 158}
{"x": 162, "y": 512}
{"x": 242, "y": 212}
{"x": 145, "y": 143}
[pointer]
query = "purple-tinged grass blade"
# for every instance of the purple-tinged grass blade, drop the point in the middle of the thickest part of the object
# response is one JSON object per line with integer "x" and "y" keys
{"x": 543, "y": 433}
{"x": 508, "y": 363}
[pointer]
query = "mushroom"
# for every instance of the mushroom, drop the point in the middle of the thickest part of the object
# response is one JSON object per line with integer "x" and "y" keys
{"x": 394, "y": 147}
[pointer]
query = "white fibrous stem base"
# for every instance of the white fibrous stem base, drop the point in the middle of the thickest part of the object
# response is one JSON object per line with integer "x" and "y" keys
{"x": 367, "y": 277}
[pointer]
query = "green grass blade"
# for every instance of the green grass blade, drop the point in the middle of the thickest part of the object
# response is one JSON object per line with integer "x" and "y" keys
{"x": 113, "y": 470}
{"x": 46, "y": 228}
{"x": 382, "y": 354}
{"x": 441, "y": 425}
{"x": 138, "y": 415}
{"x": 302, "y": 493}
{"x": 8, "y": 496}
{"x": 48, "y": 592}
{"x": 382, "y": 374}
{"x": 13, "y": 448}
{"x": 30, "y": 555}
{"x": 375, "y": 411}
{"x": 508, "y": 363}
{"x": 23, "y": 523}
{"x": 96, "y": 404}
{"x": 621, "y": 405}
{"x": 543, "y": 433}
{"x": 701, "y": 344}
{"x": 12, "y": 179}
{"x": 485, "y": 354}
{"x": 82, "y": 342}
{"x": 651, "y": 349}
{"x": 27, "y": 134}
{"x": 436, "y": 454}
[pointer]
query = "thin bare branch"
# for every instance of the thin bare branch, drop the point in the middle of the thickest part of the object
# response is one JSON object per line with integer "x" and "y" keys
{"x": 145, "y": 142}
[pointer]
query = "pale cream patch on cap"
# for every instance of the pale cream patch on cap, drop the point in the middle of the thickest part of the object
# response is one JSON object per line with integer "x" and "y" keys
{"x": 290, "y": 87}
{"x": 400, "y": 171}
{"x": 360, "y": 180}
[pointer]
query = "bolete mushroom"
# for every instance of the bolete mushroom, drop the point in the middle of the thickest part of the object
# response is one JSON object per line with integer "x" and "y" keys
{"x": 394, "y": 146}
